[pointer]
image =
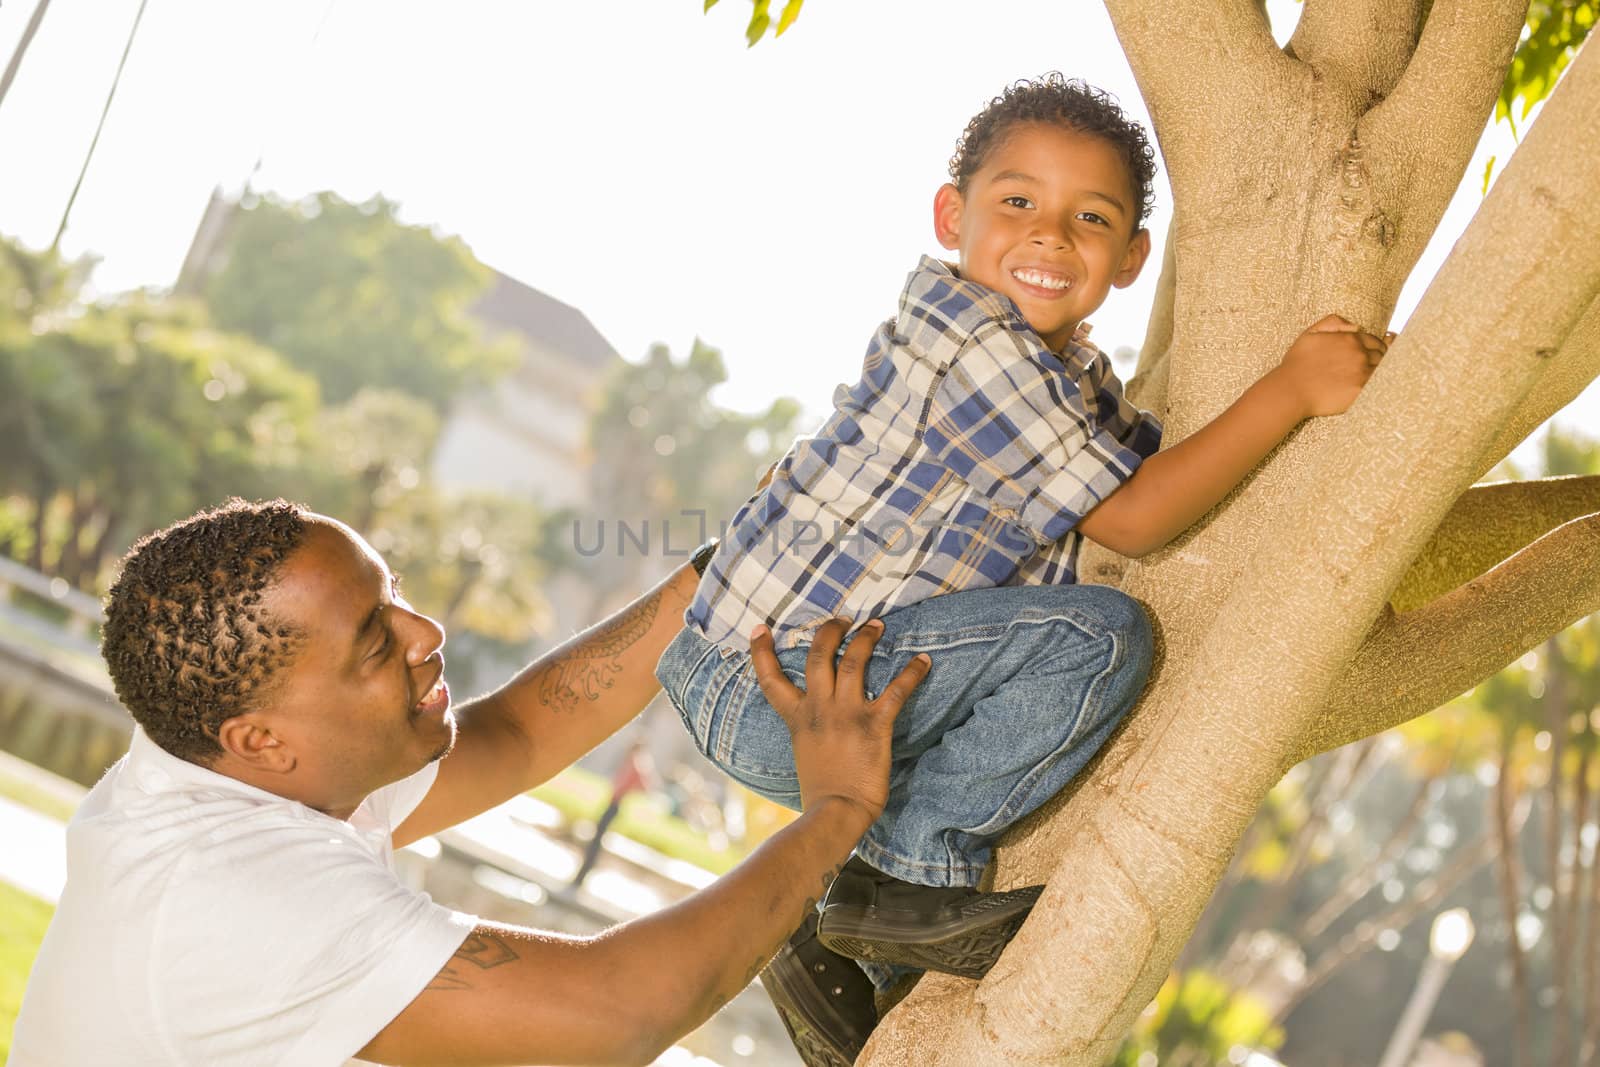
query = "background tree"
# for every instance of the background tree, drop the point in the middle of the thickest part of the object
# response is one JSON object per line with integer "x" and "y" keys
{"x": 669, "y": 467}
{"x": 130, "y": 414}
{"x": 357, "y": 298}
{"x": 1358, "y": 578}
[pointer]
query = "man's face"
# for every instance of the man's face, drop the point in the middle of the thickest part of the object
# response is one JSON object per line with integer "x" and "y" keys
{"x": 1048, "y": 220}
{"x": 362, "y": 703}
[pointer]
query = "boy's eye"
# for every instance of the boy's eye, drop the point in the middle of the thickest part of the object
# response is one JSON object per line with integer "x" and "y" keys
{"x": 1089, "y": 216}
{"x": 1017, "y": 201}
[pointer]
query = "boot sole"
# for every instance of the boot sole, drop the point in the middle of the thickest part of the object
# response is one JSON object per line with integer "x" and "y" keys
{"x": 801, "y": 1011}
{"x": 966, "y": 944}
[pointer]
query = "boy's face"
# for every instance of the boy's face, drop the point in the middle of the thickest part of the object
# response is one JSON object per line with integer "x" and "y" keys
{"x": 1048, "y": 220}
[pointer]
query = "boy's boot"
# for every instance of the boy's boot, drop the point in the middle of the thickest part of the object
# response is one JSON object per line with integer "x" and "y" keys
{"x": 869, "y": 915}
{"x": 824, "y": 1000}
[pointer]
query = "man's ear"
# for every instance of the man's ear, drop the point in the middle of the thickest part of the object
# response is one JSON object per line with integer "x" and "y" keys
{"x": 247, "y": 739}
{"x": 1132, "y": 260}
{"x": 947, "y": 216}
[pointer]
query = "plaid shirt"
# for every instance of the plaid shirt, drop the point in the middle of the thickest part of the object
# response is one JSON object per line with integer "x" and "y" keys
{"x": 962, "y": 459}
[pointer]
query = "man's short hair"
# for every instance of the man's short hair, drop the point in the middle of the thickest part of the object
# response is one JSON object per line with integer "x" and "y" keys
{"x": 186, "y": 638}
{"x": 1069, "y": 103}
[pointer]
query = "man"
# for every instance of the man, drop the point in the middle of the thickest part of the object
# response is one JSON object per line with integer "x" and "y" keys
{"x": 230, "y": 896}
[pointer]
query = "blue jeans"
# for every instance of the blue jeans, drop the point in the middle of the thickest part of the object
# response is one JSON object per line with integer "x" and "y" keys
{"x": 1027, "y": 683}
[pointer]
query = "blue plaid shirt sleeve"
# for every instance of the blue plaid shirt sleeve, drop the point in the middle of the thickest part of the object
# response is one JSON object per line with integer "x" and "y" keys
{"x": 1045, "y": 444}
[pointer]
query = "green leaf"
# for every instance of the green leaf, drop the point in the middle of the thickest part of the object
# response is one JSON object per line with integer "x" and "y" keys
{"x": 791, "y": 11}
{"x": 759, "y": 21}
{"x": 1487, "y": 170}
{"x": 709, "y": 5}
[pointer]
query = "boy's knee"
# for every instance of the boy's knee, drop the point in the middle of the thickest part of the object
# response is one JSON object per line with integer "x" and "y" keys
{"x": 1126, "y": 620}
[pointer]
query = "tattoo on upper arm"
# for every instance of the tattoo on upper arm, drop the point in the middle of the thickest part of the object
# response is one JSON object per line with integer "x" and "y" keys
{"x": 482, "y": 950}
{"x": 591, "y": 667}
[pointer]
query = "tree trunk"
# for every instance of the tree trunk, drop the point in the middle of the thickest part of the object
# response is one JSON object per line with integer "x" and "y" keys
{"x": 1305, "y": 181}
{"x": 1555, "y": 700}
{"x": 1510, "y": 885}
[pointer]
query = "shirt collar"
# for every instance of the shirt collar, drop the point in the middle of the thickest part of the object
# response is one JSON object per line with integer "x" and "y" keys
{"x": 963, "y": 305}
{"x": 152, "y": 769}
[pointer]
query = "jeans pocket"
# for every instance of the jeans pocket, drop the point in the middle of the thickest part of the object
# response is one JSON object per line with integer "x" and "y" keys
{"x": 686, "y": 671}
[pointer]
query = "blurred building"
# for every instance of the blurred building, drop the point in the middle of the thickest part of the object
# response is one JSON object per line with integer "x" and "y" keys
{"x": 527, "y": 434}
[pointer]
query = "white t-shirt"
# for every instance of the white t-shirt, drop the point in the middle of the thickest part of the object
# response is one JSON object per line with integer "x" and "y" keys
{"x": 207, "y": 923}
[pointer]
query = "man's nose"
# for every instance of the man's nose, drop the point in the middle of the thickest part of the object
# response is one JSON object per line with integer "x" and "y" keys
{"x": 424, "y": 637}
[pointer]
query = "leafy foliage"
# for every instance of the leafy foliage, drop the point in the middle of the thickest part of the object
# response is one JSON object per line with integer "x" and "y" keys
{"x": 761, "y": 19}
{"x": 355, "y": 297}
{"x": 130, "y": 414}
{"x": 1198, "y": 1018}
{"x": 1554, "y": 31}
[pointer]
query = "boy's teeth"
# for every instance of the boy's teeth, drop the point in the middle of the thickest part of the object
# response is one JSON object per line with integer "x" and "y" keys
{"x": 1039, "y": 278}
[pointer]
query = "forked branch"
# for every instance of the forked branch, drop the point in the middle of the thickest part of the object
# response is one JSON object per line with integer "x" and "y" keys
{"x": 1414, "y": 662}
{"x": 1489, "y": 523}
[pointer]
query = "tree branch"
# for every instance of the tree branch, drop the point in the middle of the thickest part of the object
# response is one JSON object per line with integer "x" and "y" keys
{"x": 1426, "y": 893}
{"x": 1148, "y": 386}
{"x": 1412, "y": 663}
{"x": 1175, "y": 46}
{"x": 1365, "y": 44}
{"x": 1571, "y": 369}
{"x": 1487, "y": 524}
{"x": 1442, "y": 100}
{"x": 1359, "y": 883}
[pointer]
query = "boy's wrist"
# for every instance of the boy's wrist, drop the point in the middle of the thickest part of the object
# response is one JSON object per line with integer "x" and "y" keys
{"x": 1278, "y": 386}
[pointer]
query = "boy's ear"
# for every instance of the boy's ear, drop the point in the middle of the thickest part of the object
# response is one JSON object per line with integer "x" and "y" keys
{"x": 1132, "y": 260}
{"x": 947, "y": 216}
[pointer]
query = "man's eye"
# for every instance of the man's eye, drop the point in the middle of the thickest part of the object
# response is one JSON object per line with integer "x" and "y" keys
{"x": 1017, "y": 201}
{"x": 383, "y": 646}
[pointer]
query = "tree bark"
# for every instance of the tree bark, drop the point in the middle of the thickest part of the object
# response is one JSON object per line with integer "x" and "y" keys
{"x": 1295, "y": 195}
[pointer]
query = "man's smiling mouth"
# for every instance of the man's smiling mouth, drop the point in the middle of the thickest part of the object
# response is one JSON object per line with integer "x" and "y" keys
{"x": 1042, "y": 279}
{"x": 436, "y": 698}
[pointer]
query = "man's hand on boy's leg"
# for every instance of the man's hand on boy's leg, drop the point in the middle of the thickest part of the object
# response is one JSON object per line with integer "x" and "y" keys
{"x": 841, "y": 750}
{"x": 841, "y": 738}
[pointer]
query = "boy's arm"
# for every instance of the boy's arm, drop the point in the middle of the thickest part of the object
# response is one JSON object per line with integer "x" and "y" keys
{"x": 1321, "y": 374}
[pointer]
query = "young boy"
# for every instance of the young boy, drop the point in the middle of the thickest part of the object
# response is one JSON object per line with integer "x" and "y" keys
{"x": 948, "y": 494}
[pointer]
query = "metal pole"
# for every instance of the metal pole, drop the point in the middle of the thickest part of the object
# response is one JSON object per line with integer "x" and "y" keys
{"x": 22, "y": 47}
{"x": 110, "y": 95}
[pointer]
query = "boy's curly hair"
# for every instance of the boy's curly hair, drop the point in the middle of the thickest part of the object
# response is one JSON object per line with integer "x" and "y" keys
{"x": 1069, "y": 103}
{"x": 186, "y": 639}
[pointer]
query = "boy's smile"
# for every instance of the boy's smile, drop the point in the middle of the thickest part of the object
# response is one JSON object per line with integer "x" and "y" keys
{"x": 1048, "y": 220}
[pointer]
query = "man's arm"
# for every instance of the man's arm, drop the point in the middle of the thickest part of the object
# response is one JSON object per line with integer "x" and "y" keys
{"x": 1321, "y": 374}
{"x": 511, "y": 995}
{"x": 557, "y": 708}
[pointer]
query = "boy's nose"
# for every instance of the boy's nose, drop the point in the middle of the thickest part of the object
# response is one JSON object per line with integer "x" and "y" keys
{"x": 1051, "y": 237}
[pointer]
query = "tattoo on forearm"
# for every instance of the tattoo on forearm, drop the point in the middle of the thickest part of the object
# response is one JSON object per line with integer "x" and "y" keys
{"x": 591, "y": 667}
{"x": 482, "y": 951}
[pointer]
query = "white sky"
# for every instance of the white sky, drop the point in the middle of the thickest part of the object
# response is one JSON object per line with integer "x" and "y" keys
{"x": 631, "y": 158}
